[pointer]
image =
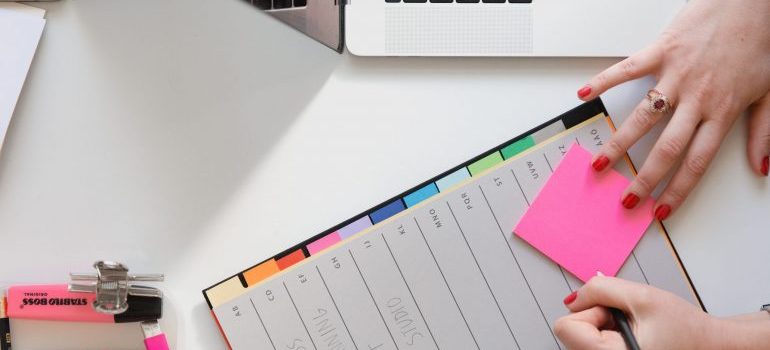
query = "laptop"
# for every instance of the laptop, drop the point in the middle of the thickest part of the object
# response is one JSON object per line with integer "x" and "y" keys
{"x": 595, "y": 28}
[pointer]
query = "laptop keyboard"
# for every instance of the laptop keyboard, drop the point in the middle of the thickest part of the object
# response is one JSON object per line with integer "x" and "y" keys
{"x": 285, "y": 4}
{"x": 277, "y": 4}
{"x": 461, "y": 1}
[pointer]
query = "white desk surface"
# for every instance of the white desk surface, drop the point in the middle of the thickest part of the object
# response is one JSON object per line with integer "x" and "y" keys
{"x": 197, "y": 137}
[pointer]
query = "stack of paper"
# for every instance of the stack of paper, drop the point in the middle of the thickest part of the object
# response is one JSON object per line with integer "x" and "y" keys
{"x": 20, "y": 30}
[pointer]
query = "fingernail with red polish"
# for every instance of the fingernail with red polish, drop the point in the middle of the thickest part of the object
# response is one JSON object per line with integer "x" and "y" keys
{"x": 584, "y": 91}
{"x": 570, "y": 298}
{"x": 630, "y": 201}
{"x": 765, "y": 165}
{"x": 600, "y": 163}
{"x": 662, "y": 212}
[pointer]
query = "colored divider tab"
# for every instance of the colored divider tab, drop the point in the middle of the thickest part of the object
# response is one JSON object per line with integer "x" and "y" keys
{"x": 420, "y": 195}
{"x": 323, "y": 243}
{"x": 485, "y": 163}
{"x": 355, "y": 227}
{"x": 258, "y": 273}
{"x": 547, "y": 132}
{"x": 452, "y": 179}
{"x": 225, "y": 291}
{"x": 290, "y": 259}
{"x": 387, "y": 211}
{"x": 517, "y": 147}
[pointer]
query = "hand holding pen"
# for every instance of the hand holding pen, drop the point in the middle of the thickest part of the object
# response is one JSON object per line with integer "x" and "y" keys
{"x": 659, "y": 319}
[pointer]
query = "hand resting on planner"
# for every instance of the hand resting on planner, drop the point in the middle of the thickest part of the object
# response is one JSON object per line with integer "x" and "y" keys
{"x": 711, "y": 64}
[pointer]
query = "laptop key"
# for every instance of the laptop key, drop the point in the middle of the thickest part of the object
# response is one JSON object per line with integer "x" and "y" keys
{"x": 300, "y": 3}
{"x": 467, "y": 1}
{"x": 393, "y": 1}
{"x": 281, "y": 4}
{"x": 263, "y": 4}
{"x": 442, "y": 1}
{"x": 494, "y": 1}
{"x": 415, "y": 1}
{"x": 520, "y": 1}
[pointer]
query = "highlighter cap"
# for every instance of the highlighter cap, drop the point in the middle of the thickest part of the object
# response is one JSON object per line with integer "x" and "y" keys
{"x": 140, "y": 309}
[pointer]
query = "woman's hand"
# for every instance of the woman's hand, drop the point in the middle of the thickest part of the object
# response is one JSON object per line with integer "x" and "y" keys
{"x": 712, "y": 63}
{"x": 659, "y": 320}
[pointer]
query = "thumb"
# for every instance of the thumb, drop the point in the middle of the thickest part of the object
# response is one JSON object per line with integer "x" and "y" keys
{"x": 759, "y": 135}
{"x": 610, "y": 292}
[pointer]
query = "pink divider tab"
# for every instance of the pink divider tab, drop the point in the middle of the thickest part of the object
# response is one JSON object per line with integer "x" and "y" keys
{"x": 323, "y": 243}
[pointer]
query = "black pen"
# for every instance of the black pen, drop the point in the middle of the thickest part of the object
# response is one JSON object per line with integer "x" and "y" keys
{"x": 621, "y": 321}
{"x": 625, "y": 329}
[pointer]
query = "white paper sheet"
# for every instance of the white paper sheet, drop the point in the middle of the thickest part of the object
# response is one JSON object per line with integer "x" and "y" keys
{"x": 20, "y": 29}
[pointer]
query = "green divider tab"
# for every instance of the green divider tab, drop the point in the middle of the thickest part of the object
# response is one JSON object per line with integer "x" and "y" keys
{"x": 517, "y": 147}
{"x": 485, "y": 163}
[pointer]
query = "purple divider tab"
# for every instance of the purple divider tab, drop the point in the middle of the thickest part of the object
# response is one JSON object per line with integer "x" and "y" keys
{"x": 354, "y": 227}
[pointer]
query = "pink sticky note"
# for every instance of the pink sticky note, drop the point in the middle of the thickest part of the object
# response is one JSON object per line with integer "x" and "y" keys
{"x": 578, "y": 221}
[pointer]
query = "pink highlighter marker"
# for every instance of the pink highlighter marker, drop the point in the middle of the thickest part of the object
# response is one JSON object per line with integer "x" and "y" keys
{"x": 54, "y": 302}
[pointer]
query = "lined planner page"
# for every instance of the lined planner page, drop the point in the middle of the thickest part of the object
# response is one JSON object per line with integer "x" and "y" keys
{"x": 444, "y": 274}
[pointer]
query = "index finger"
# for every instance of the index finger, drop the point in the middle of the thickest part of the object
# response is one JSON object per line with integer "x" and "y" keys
{"x": 609, "y": 292}
{"x": 633, "y": 67}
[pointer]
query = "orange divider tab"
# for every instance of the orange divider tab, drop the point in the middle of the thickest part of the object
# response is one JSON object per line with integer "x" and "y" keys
{"x": 291, "y": 259}
{"x": 260, "y": 272}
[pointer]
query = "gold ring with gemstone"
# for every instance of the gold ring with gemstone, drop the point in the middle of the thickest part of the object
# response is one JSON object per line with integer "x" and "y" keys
{"x": 658, "y": 102}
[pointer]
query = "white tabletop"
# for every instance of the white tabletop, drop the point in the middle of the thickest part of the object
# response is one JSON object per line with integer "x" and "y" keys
{"x": 198, "y": 137}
